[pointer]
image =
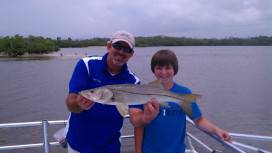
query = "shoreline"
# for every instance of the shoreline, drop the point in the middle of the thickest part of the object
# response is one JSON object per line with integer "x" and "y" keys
{"x": 43, "y": 56}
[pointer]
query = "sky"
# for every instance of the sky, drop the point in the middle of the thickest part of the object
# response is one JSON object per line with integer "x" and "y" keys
{"x": 80, "y": 19}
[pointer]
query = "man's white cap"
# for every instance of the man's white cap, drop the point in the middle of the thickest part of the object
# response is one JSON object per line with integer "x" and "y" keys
{"x": 123, "y": 36}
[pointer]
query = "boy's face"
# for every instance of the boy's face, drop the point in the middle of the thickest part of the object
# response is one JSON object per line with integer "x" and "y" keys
{"x": 164, "y": 73}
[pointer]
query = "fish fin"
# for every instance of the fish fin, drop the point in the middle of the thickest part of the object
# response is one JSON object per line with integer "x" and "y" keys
{"x": 156, "y": 84}
{"x": 60, "y": 136}
{"x": 191, "y": 97}
{"x": 122, "y": 109}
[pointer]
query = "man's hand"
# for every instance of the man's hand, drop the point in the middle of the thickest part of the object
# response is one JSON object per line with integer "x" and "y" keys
{"x": 151, "y": 110}
{"x": 84, "y": 103}
{"x": 76, "y": 103}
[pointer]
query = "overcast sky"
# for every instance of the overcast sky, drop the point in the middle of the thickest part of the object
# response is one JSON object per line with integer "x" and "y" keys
{"x": 100, "y": 18}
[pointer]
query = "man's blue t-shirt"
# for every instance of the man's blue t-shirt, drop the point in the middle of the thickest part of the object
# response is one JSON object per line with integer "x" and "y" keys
{"x": 166, "y": 133}
{"x": 96, "y": 130}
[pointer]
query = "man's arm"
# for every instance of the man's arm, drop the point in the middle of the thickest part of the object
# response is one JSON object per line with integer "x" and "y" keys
{"x": 76, "y": 103}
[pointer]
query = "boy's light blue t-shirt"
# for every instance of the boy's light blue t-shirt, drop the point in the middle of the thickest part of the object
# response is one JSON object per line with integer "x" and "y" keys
{"x": 166, "y": 133}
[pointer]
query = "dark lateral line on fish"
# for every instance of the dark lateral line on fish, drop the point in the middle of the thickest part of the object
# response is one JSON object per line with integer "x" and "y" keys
{"x": 148, "y": 94}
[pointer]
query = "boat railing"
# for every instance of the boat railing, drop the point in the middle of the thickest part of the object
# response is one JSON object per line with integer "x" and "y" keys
{"x": 234, "y": 146}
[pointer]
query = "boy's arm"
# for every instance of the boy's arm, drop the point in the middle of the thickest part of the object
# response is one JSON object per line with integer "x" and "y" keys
{"x": 138, "y": 133}
{"x": 206, "y": 125}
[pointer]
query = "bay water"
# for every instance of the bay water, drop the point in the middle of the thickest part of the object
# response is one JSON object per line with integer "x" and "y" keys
{"x": 234, "y": 81}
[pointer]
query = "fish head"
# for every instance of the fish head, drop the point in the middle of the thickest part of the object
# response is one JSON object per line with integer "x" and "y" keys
{"x": 100, "y": 95}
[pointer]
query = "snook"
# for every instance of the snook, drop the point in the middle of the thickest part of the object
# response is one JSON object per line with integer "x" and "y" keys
{"x": 123, "y": 95}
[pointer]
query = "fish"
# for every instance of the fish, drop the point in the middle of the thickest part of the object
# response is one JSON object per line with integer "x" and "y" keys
{"x": 123, "y": 95}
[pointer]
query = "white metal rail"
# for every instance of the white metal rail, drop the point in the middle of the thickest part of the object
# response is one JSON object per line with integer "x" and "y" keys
{"x": 236, "y": 147}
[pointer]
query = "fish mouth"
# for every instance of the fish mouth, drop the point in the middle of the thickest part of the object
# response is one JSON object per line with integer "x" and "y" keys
{"x": 96, "y": 97}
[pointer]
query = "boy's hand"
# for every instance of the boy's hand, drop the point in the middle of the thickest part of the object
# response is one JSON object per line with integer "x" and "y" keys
{"x": 151, "y": 110}
{"x": 223, "y": 135}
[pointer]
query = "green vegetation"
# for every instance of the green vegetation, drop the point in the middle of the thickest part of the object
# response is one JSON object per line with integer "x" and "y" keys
{"x": 172, "y": 41}
{"x": 182, "y": 41}
{"x": 18, "y": 45}
{"x": 81, "y": 43}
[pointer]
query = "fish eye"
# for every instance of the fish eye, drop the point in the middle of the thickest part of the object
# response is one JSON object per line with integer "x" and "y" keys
{"x": 92, "y": 91}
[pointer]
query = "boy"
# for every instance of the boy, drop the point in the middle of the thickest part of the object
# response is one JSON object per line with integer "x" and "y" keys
{"x": 166, "y": 133}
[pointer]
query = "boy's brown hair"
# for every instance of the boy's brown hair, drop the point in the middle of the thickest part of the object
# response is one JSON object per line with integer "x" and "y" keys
{"x": 165, "y": 57}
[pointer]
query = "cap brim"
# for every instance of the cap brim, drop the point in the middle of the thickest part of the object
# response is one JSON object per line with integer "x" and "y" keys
{"x": 116, "y": 40}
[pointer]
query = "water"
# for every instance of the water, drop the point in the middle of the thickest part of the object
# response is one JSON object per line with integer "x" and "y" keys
{"x": 234, "y": 81}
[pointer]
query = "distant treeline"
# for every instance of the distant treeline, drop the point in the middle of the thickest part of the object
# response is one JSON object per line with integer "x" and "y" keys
{"x": 182, "y": 41}
{"x": 172, "y": 41}
{"x": 19, "y": 45}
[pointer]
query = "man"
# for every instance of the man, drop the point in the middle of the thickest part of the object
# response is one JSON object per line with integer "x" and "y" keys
{"x": 94, "y": 127}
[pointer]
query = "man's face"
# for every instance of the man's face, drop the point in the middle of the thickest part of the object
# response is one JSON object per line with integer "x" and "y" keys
{"x": 119, "y": 53}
